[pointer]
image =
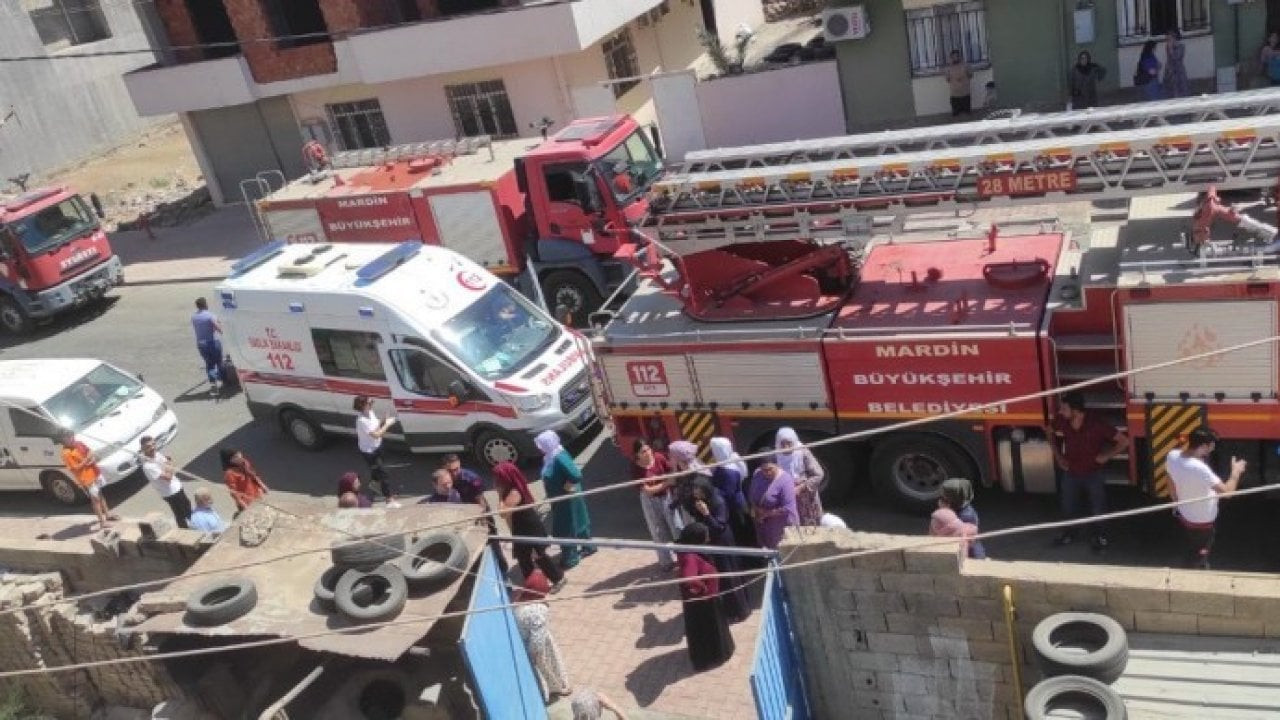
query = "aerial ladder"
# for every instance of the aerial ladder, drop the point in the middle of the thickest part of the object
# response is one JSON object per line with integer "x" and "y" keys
{"x": 758, "y": 233}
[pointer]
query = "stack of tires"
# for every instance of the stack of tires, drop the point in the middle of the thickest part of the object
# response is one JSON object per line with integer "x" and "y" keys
{"x": 1080, "y": 655}
{"x": 371, "y": 578}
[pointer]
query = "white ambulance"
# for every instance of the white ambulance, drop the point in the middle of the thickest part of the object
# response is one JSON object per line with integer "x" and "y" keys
{"x": 460, "y": 357}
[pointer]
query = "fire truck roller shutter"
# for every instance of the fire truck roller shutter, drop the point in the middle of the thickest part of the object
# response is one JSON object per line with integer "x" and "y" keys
{"x": 908, "y": 469}
{"x": 838, "y": 460}
{"x": 571, "y": 275}
{"x": 296, "y": 225}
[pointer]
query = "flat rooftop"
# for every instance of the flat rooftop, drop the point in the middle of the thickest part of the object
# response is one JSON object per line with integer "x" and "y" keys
{"x": 1198, "y": 676}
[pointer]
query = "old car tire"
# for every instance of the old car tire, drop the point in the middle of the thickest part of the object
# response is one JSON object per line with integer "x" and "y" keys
{"x": 221, "y": 601}
{"x": 573, "y": 290}
{"x": 303, "y": 430}
{"x": 1078, "y": 643}
{"x": 325, "y": 585}
{"x": 13, "y": 319}
{"x": 435, "y": 559}
{"x": 492, "y": 446}
{"x": 909, "y": 470}
{"x": 367, "y": 553}
{"x": 389, "y": 593}
{"x": 1076, "y": 694}
{"x": 62, "y": 489}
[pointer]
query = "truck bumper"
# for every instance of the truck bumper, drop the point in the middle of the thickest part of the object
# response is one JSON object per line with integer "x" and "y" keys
{"x": 576, "y": 425}
{"x": 77, "y": 291}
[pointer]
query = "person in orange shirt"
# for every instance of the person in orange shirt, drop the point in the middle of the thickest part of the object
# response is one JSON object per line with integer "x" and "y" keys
{"x": 79, "y": 460}
{"x": 242, "y": 479}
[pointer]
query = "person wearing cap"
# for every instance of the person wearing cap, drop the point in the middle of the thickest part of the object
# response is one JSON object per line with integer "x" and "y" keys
{"x": 957, "y": 494}
{"x": 1193, "y": 479}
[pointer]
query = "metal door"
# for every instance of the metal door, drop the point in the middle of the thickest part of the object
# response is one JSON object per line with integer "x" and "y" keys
{"x": 501, "y": 674}
{"x": 777, "y": 674}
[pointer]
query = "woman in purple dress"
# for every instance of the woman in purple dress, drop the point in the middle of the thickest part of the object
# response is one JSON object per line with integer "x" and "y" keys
{"x": 804, "y": 468}
{"x": 773, "y": 503}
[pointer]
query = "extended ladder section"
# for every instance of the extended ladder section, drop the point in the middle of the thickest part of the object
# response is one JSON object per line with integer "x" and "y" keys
{"x": 410, "y": 151}
{"x": 833, "y": 199}
{"x": 1165, "y": 114}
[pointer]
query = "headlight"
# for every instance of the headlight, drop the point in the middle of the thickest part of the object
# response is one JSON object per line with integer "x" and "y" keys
{"x": 530, "y": 403}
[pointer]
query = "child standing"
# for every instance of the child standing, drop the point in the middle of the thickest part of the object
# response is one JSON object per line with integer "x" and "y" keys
{"x": 955, "y": 516}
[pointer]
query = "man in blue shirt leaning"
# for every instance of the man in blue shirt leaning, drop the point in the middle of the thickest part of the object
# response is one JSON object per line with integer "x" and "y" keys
{"x": 204, "y": 518}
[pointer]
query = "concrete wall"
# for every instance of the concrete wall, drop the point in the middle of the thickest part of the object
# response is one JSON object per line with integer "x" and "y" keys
{"x": 67, "y": 633}
{"x": 1025, "y": 41}
{"x": 875, "y": 75}
{"x": 66, "y": 108}
{"x": 914, "y": 632}
{"x": 792, "y": 103}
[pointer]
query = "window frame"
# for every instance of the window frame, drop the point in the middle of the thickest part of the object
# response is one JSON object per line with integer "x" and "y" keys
{"x": 621, "y": 61}
{"x": 399, "y": 357}
{"x": 322, "y": 340}
{"x": 476, "y": 99}
{"x": 368, "y": 110}
{"x": 1136, "y": 34}
{"x": 89, "y": 11}
{"x": 930, "y": 23}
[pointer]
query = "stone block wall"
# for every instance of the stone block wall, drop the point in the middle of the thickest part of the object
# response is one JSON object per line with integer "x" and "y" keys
{"x": 920, "y": 632}
{"x": 89, "y": 564}
{"x": 67, "y": 633}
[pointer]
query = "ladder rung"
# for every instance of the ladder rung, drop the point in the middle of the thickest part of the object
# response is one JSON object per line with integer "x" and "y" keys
{"x": 1084, "y": 342}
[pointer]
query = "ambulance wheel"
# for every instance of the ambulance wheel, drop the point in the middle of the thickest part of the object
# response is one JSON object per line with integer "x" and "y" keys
{"x": 492, "y": 446}
{"x": 302, "y": 429}
{"x": 908, "y": 470}
{"x": 573, "y": 291}
{"x": 62, "y": 489}
{"x": 13, "y": 318}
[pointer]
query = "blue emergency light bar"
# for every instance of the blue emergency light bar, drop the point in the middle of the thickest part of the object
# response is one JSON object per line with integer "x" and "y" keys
{"x": 388, "y": 261}
{"x": 257, "y": 257}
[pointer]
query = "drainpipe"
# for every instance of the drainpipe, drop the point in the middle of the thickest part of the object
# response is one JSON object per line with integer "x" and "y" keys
{"x": 279, "y": 705}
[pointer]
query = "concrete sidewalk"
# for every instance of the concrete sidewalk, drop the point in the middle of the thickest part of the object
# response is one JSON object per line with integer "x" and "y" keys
{"x": 201, "y": 251}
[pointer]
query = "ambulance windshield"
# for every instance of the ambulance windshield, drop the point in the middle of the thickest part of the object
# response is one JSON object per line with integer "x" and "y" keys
{"x": 498, "y": 334}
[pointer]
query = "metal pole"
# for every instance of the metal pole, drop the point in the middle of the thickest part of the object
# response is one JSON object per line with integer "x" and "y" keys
{"x": 290, "y": 696}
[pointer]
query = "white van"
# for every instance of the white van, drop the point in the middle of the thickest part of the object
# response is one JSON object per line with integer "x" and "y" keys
{"x": 109, "y": 410}
{"x": 460, "y": 357}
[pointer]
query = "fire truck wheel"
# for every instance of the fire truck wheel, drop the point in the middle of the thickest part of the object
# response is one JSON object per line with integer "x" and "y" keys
{"x": 13, "y": 318}
{"x": 1073, "y": 696}
{"x": 302, "y": 429}
{"x": 493, "y": 446}
{"x": 572, "y": 291}
{"x": 909, "y": 470}
{"x": 62, "y": 489}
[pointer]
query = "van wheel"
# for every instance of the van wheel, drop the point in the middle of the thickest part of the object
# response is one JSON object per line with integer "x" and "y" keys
{"x": 302, "y": 429}
{"x": 62, "y": 489}
{"x": 908, "y": 470}
{"x": 13, "y": 318}
{"x": 574, "y": 292}
{"x": 495, "y": 446}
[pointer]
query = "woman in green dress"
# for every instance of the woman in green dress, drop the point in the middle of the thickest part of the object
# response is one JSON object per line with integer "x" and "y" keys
{"x": 569, "y": 518}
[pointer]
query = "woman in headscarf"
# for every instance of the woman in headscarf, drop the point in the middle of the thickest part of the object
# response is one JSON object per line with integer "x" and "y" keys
{"x": 532, "y": 616}
{"x": 773, "y": 503}
{"x": 569, "y": 518}
{"x": 655, "y": 497}
{"x": 727, "y": 477}
{"x": 705, "y": 506}
{"x": 684, "y": 459}
{"x": 516, "y": 503}
{"x": 706, "y": 629}
{"x": 805, "y": 470}
{"x": 350, "y": 483}
{"x": 1175, "y": 68}
{"x": 241, "y": 477}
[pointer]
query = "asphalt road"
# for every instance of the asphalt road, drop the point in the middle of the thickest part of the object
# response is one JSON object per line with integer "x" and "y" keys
{"x": 146, "y": 329}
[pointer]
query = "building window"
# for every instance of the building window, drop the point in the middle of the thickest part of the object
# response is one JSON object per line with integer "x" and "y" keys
{"x": 298, "y": 22}
{"x": 481, "y": 109}
{"x": 620, "y": 62}
{"x": 1141, "y": 19}
{"x": 934, "y": 32}
{"x": 63, "y": 23}
{"x": 359, "y": 124}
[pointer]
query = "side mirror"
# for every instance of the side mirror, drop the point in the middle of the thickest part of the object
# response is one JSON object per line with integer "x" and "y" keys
{"x": 458, "y": 392}
{"x": 586, "y": 198}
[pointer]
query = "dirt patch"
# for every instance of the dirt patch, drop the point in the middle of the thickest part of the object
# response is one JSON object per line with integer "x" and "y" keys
{"x": 154, "y": 168}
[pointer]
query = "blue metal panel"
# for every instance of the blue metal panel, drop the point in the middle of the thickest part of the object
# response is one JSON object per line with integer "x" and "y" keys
{"x": 777, "y": 676}
{"x": 501, "y": 673}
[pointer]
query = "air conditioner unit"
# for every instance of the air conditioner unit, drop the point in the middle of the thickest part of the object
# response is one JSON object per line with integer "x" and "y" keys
{"x": 845, "y": 23}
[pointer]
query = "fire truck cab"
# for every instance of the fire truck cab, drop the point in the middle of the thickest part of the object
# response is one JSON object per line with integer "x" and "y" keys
{"x": 54, "y": 256}
{"x": 564, "y": 203}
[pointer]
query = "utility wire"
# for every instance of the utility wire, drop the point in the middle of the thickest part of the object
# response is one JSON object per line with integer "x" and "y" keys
{"x": 927, "y": 542}
{"x": 915, "y": 422}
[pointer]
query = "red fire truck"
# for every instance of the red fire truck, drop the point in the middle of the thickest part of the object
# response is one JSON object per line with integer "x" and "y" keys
{"x": 762, "y": 303}
{"x": 54, "y": 256}
{"x": 566, "y": 202}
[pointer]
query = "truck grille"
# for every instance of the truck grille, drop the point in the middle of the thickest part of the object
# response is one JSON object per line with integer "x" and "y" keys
{"x": 574, "y": 392}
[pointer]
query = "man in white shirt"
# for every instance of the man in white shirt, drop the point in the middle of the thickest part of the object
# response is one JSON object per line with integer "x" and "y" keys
{"x": 1193, "y": 478}
{"x": 159, "y": 471}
